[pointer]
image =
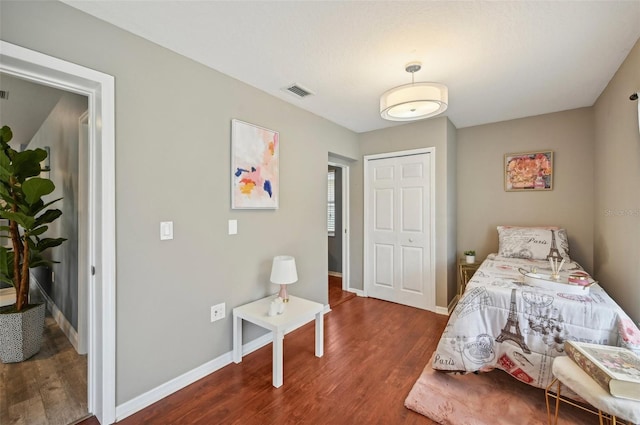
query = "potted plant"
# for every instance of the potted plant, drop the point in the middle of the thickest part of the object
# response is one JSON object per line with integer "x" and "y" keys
{"x": 22, "y": 206}
{"x": 471, "y": 256}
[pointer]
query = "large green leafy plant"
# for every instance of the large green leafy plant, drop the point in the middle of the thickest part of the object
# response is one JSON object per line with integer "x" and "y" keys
{"x": 21, "y": 203}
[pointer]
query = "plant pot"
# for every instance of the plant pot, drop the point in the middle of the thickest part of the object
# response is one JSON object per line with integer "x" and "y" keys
{"x": 21, "y": 334}
{"x": 471, "y": 259}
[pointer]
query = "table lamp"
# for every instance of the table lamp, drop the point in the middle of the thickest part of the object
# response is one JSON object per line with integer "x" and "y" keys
{"x": 283, "y": 273}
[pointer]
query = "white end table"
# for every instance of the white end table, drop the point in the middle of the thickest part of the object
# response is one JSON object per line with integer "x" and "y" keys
{"x": 297, "y": 312}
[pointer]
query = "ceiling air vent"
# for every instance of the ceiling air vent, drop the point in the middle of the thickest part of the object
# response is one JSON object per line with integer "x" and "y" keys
{"x": 298, "y": 90}
{"x": 4, "y": 94}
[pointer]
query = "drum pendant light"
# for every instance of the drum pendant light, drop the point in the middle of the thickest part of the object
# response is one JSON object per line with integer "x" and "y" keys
{"x": 414, "y": 101}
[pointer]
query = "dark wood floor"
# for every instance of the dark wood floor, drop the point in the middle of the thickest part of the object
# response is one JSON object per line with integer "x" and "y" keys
{"x": 336, "y": 295}
{"x": 374, "y": 352}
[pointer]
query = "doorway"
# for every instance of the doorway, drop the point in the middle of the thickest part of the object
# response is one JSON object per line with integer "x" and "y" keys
{"x": 337, "y": 233}
{"x": 100, "y": 91}
{"x": 399, "y": 232}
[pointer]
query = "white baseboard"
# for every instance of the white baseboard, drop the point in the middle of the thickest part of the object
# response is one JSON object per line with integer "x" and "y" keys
{"x": 358, "y": 292}
{"x": 442, "y": 310}
{"x": 144, "y": 400}
{"x": 453, "y": 304}
{"x": 336, "y": 274}
{"x": 61, "y": 320}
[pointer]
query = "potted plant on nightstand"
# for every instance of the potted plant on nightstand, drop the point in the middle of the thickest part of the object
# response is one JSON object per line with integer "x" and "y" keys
{"x": 22, "y": 206}
{"x": 471, "y": 256}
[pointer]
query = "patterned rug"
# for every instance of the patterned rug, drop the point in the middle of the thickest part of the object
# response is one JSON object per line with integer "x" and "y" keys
{"x": 493, "y": 398}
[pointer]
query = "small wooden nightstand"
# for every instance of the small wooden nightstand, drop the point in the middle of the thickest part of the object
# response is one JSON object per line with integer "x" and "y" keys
{"x": 465, "y": 272}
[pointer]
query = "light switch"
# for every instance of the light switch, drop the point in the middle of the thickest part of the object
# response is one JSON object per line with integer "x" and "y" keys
{"x": 233, "y": 227}
{"x": 166, "y": 230}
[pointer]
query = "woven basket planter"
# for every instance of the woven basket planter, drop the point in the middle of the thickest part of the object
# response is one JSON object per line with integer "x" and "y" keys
{"x": 21, "y": 334}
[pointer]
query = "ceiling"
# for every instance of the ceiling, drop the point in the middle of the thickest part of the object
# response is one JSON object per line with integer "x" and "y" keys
{"x": 26, "y": 107}
{"x": 500, "y": 60}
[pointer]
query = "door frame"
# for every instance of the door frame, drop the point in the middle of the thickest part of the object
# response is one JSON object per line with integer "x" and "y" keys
{"x": 432, "y": 224}
{"x": 344, "y": 230}
{"x": 100, "y": 91}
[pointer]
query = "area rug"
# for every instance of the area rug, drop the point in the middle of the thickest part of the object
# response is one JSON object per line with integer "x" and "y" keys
{"x": 492, "y": 398}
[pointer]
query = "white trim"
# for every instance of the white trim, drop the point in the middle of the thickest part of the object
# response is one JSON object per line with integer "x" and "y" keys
{"x": 432, "y": 224}
{"x": 146, "y": 399}
{"x": 346, "y": 254}
{"x": 335, "y": 274}
{"x": 136, "y": 404}
{"x": 358, "y": 292}
{"x": 100, "y": 90}
{"x": 58, "y": 316}
{"x": 442, "y": 310}
{"x": 84, "y": 234}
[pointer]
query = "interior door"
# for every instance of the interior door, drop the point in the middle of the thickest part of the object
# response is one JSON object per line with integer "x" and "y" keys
{"x": 398, "y": 257}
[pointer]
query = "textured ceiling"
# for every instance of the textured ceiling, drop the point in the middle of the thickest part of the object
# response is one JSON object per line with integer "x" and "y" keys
{"x": 500, "y": 60}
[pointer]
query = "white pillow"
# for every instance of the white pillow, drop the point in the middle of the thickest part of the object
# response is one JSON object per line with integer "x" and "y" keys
{"x": 534, "y": 243}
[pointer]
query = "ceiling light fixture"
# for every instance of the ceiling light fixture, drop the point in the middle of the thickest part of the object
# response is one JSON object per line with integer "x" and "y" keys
{"x": 414, "y": 101}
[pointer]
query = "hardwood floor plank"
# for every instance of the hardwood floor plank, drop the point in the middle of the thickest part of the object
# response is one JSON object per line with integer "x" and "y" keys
{"x": 374, "y": 352}
{"x": 49, "y": 388}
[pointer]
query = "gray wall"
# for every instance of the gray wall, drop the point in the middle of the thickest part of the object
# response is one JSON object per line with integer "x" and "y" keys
{"x": 335, "y": 242}
{"x": 483, "y": 203}
{"x": 422, "y": 134}
{"x": 172, "y": 163}
{"x": 617, "y": 187}
{"x": 59, "y": 132}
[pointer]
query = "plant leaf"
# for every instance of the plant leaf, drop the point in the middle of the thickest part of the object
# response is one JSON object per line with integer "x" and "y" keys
{"x": 49, "y": 243}
{"x": 48, "y": 217}
{"x": 6, "y": 134}
{"x": 38, "y": 230}
{"x": 27, "y": 163}
{"x": 23, "y": 220}
{"x": 36, "y": 187}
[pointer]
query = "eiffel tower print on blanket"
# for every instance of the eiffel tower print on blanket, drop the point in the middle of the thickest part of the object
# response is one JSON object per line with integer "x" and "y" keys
{"x": 511, "y": 330}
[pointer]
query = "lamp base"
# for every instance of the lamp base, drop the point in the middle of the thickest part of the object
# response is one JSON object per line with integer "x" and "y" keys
{"x": 283, "y": 293}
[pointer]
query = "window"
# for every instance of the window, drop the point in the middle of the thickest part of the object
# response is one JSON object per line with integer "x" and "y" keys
{"x": 331, "y": 202}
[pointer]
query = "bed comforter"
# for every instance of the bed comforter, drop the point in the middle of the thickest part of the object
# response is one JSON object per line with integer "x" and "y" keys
{"x": 501, "y": 322}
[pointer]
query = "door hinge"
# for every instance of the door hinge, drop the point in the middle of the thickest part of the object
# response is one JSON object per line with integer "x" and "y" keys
{"x": 93, "y": 270}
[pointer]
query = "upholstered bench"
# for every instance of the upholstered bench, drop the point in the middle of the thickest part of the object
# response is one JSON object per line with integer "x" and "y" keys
{"x": 609, "y": 408}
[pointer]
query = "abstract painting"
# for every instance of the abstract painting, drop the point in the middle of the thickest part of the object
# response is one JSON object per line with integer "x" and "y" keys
{"x": 530, "y": 171}
{"x": 254, "y": 166}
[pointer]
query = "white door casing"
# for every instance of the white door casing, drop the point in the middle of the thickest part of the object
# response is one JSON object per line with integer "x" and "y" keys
{"x": 400, "y": 228}
{"x": 100, "y": 91}
{"x": 344, "y": 230}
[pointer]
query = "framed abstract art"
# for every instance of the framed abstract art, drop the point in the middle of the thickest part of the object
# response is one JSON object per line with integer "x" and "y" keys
{"x": 255, "y": 162}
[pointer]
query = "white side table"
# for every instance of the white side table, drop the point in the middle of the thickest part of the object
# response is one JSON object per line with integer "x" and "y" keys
{"x": 297, "y": 312}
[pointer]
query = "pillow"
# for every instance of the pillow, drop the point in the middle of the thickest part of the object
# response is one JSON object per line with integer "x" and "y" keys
{"x": 533, "y": 243}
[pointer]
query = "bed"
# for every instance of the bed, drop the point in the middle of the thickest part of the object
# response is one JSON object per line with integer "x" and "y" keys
{"x": 504, "y": 321}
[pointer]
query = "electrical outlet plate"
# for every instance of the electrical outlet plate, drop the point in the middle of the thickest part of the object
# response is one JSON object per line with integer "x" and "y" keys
{"x": 217, "y": 312}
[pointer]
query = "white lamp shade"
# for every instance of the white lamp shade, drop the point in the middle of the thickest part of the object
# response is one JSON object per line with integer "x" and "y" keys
{"x": 283, "y": 270}
{"x": 414, "y": 101}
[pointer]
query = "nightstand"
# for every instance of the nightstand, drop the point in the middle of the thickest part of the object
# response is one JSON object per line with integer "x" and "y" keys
{"x": 465, "y": 272}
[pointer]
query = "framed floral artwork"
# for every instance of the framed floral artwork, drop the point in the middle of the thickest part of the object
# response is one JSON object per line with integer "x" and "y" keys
{"x": 528, "y": 171}
{"x": 255, "y": 164}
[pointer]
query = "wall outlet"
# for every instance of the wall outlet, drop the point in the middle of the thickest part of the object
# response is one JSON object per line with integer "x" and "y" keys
{"x": 217, "y": 312}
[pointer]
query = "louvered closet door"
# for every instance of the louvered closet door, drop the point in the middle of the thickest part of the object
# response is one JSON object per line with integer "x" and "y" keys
{"x": 398, "y": 258}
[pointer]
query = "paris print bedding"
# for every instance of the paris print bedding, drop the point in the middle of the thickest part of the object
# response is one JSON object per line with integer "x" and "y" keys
{"x": 502, "y": 322}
